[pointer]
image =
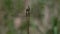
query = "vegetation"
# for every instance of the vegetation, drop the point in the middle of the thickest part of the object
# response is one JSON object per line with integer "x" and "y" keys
{"x": 44, "y": 17}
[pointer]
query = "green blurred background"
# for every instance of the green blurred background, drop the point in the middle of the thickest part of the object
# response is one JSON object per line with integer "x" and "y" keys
{"x": 44, "y": 17}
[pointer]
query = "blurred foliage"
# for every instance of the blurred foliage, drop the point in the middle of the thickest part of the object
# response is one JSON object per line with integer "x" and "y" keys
{"x": 37, "y": 11}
